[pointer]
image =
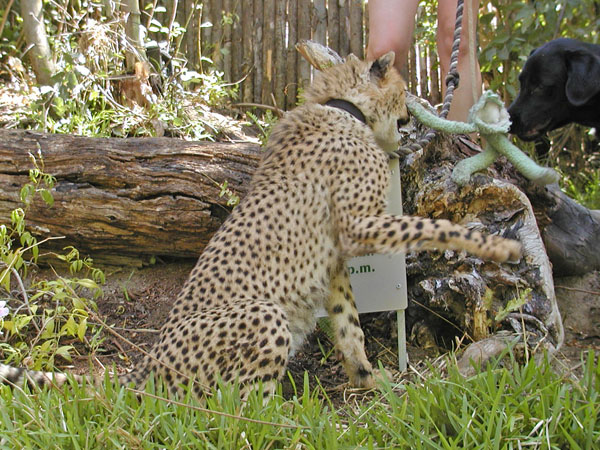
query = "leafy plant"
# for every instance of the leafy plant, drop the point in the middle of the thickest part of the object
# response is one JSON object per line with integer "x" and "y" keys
{"x": 90, "y": 92}
{"x": 514, "y": 304}
{"x": 519, "y": 27}
{"x": 38, "y": 313}
{"x": 232, "y": 198}
{"x": 264, "y": 125}
{"x": 584, "y": 188}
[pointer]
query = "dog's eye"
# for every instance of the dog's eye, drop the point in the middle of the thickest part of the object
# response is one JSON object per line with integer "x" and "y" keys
{"x": 542, "y": 89}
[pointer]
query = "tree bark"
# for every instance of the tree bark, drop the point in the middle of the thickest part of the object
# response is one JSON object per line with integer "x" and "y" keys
{"x": 466, "y": 291}
{"x": 571, "y": 232}
{"x": 127, "y": 198}
{"x": 35, "y": 35}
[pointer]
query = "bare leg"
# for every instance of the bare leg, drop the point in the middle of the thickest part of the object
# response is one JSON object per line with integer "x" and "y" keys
{"x": 391, "y": 26}
{"x": 470, "y": 83}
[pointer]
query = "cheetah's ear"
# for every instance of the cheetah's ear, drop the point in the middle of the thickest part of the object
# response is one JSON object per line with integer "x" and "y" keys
{"x": 382, "y": 65}
{"x": 352, "y": 57}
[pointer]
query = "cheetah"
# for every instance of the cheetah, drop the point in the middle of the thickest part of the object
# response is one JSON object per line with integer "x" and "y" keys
{"x": 317, "y": 198}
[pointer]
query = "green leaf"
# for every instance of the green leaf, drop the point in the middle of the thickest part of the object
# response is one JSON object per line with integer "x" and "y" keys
{"x": 48, "y": 331}
{"x": 26, "y": 193}
{"x": 514, "y": 305}
{"x": 35, "y": 252}
{"x": 47, "y": 197}
{"x": 70, "y": 327}
{"x": 81, "y": 329}
{"x": 87, "y": 283}
{"x": 65, "y": 351}
{"x": 5, "y": 279}
{"x": 79, "y": 304}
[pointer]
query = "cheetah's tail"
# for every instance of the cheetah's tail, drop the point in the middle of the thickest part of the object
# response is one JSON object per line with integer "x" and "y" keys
{"x": 18, "y": 376}
{"x": 137, "y": 377}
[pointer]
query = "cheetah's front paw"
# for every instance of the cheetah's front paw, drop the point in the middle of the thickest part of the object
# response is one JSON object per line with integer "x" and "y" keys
{"x": 371, "y": 380}
{"x": 506, "y": 250}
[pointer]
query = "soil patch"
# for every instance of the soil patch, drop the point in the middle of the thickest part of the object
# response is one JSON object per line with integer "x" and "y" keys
{"x": 136, "y": 303}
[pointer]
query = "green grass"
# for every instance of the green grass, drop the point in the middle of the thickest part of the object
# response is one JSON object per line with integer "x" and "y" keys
{"x": 529, "y": 406}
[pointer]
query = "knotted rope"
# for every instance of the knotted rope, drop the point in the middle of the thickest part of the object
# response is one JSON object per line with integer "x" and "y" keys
{"x": 489, "y": 118}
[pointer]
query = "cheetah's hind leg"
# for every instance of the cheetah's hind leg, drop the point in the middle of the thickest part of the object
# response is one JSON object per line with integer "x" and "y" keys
{"x": 242, "y": 340}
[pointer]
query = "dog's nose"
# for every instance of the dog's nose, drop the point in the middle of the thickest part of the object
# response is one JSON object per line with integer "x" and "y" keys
{"x": 514, "y": 119}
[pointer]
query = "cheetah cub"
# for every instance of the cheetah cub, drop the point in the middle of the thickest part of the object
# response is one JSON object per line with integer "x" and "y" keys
{"x": 317, "y": 199}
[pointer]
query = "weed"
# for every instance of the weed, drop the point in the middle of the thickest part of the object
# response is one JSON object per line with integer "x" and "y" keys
{"x": 584, "y": 188}
{"x": 41, "y": 312}
{"x": 264, "y": 125}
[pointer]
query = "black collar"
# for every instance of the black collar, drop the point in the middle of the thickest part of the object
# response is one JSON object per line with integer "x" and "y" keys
{"x": 347, "y": 106}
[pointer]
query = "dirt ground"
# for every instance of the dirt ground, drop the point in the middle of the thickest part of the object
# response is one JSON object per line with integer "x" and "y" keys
{"x": 136, "y": 303}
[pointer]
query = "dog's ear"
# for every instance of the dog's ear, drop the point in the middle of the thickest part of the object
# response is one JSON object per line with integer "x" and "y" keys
{"x": 381, "y": 66}
{"x": 583, "y": 71}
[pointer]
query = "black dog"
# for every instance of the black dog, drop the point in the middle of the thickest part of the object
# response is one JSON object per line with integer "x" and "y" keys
{"x": 560, "y": 84}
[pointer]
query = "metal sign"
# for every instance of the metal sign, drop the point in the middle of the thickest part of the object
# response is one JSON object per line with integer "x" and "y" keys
{"x": 379, "y": 281}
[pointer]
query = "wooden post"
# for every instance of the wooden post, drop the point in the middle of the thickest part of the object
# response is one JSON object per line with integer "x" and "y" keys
{"x": 238, "y": 63}
{"x": 344, "y": 27}
{"x": 227, "y": 37}
{"x": 333, "y": 25}
{"x": 217, "y": 33}
{"x": 268, "y": 37}
{"x": 291, "y": 84}
{"x": 436, "y": 93}
{"x": 423, "y": 71}
{"x": 257, "y": 49}
{"x": 319, "y": 21}
{"x": 205, "y": 32}
{"x": 279, "y": 61}
{"x": 248, "y": 40}
{"x": 356, "y": 28}
{"x": 304, "y": 33}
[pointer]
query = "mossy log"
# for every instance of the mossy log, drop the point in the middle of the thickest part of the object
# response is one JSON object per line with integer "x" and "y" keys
{"x": 465, "y": 294}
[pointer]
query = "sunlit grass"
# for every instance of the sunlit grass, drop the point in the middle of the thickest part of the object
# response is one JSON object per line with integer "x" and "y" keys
{"x": 530, "y": 406}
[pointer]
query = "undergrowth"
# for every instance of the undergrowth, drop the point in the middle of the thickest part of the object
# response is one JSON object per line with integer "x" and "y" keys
{"x": 584, "y": 188}
{"x": 39, "y": 313}
{"x": 92, "y": 93}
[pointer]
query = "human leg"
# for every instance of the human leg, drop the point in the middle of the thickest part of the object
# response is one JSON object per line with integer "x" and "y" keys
{"x": 391, "y": 26}
{"x": 470, "y": 75}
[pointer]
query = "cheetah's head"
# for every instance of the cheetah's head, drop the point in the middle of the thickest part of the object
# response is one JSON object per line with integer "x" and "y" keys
{"x": 377, "y": 90}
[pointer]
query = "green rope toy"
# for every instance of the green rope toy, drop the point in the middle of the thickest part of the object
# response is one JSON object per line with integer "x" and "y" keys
{"x": 489, "y": 118}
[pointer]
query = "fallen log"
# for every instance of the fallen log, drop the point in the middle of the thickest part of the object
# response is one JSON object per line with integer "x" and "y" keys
{"x": 571, "y": 232}
{"x": 126, "y": 200}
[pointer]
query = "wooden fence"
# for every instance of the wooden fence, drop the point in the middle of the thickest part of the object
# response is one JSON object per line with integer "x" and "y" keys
{"x": 253, "y": 41}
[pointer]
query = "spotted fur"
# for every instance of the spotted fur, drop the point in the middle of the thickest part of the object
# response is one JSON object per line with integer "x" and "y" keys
{"x": 317, "y": 199}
